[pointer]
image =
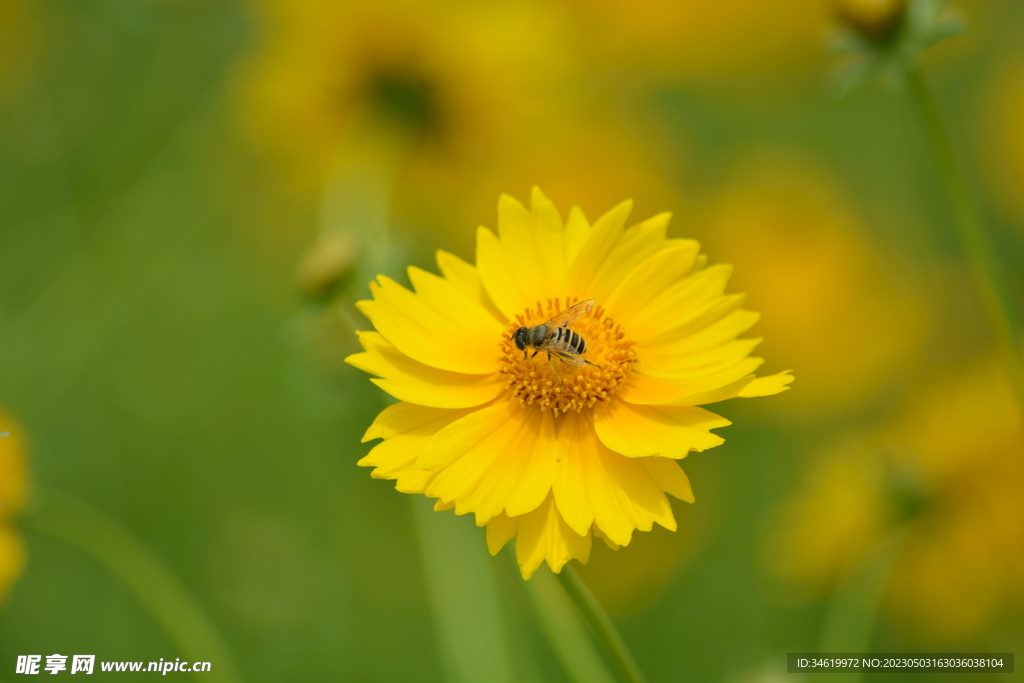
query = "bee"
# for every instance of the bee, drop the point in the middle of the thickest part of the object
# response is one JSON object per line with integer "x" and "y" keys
{"x": 555, "y": 338}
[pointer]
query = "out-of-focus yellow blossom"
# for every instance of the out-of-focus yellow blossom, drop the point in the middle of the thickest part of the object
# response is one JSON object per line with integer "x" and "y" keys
{"x": 964, "y": 561}
{"x": 948, "y": 473}
{"x": 697, "y": 39}
{"x": 875, "y": 19}
{"x": 831, "y": 307}
{"x": 544, "y": 450}
{"x": 455, "y": 101}
{"x": 449, "y": 82}
{"x": 13, "y": 491}
{"x": 822, "y": 534}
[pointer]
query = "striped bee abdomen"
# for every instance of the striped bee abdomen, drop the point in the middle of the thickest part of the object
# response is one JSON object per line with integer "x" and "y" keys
{"x": 571, "y": 339}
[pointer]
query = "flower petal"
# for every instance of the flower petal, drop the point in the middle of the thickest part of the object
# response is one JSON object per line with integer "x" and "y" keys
{"x": 435, "y": 336}
{"x": 648, "y": 390}
{"x": 465, "y": 276}
{"x": 649, "y": 279}
{"x": 526, "y": 262}
{"x": 636, "y": 244}
{"x": 669, "y": 431}
{"x": 569, "y": 484}
{"x": 768, "y": 386}
{"x": 669, "y": 477}
{"x": 544, "y": 535}
{"x": 700, "y": 363}
{"x": 577, "y": 232}
{"x": 585, "y": 269}
{"x": 497, "y": 457}
{"x": 414, "y": 382}
{"x": 691, "y": 293}
{"x": 500, "y": 531}
{"x": 406, "y": 430}
{"x": 624, "y": 496}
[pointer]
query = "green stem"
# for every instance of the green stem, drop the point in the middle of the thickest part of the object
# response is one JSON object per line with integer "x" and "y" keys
{"x": 141, "y": 571}
{"x": 607, "y": 635}
{"x": 977, "y": 243}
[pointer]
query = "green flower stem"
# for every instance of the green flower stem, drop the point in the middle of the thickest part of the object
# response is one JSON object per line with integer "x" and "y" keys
{"x": 141, "y": 571}
{"x": 567, "y": 632}
{"x": 852, "y": 613}
{"x": 977, "y": 243}
{"x": 607, "y": 636}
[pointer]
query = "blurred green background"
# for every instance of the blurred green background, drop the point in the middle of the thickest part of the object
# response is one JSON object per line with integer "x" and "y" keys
{"x": 168, "y": 166}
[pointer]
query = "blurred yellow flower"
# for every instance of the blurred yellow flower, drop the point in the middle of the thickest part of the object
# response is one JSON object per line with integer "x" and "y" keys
{"x": 948, "y": 472}
{"x": 446, "y": 103}
{"x": 876, "y": 19}
{"x": 831, "y": 306}
{"x": 538, "y": 448}
{"x": 705, "y": 39}
{"x": 13, "y": 491}
{"x": 438, "y": 85}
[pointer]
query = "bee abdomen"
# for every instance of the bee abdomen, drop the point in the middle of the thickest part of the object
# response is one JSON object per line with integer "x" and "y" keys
{"x": 571, "y": 339}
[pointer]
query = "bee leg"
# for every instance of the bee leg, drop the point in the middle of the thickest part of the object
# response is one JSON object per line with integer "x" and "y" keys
{"x": 554, "y": 372}
{"x": 589, "y": 363}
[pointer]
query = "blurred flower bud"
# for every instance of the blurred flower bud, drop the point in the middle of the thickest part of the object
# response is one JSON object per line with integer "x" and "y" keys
{"x": 876, "y": 20}
{"x": 326, "y": 265}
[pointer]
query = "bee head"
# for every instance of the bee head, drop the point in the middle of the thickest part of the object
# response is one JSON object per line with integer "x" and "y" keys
{"x": 520, "y": 338}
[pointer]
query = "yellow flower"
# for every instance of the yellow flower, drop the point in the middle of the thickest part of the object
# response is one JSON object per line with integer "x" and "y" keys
{"x": 13, "y": 490}
{"x": 822, "y": 282}
{"x": 948, "y": 474}
{"x": 538, "y": 449}
{"x": 438, "y": 85}
{"x": 704, "y": 40}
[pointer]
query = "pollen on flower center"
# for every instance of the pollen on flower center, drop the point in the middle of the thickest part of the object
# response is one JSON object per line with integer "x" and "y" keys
{"x": 551, "y": 383}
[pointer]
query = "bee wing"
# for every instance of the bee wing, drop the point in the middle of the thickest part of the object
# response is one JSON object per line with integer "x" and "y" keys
{"x": 572, "y": 313}
{"x": 562, "y": 349}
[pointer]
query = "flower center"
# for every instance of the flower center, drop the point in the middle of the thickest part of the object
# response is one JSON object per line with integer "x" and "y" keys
{"x": 554, "y": 384}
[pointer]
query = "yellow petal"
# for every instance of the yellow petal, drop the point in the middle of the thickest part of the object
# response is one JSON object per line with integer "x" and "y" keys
{"x": 661, "y": 311}
{"x": 649, "y": 278}
{"x": 497, "y": 273}
{"x": 607, "y": 541}
{"x": 549, "y": 232}
{"x": 647, "y": 390}
{"x": 585, "y": 270}
{"x": 461, "y": 306}
{"x": 543, "y": 535}
{"x": 569, "y": 484}
{"x": 484, "y": 459}
{"x": 526, "y": 262}
{"x": 624, "y": 496}
{"x": 402, "y": 418}
{"x": 500, "y": 531}
{"x": 670, "y": 431}
{"x": 635, "y": 244}
{"x": 414, "y": 382}
{"x": 700, "y": 363}
{"x": 767, "y": 386}
{"x": 465, "y": 277}
{"x": 431, "y": 336}
{"x": 669, "y": 477}
{"x": 539, "y": 468}
{"x": 717, "y": 323}
{"x": 406, "y": 429}
{"x": 577, "y": 232}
